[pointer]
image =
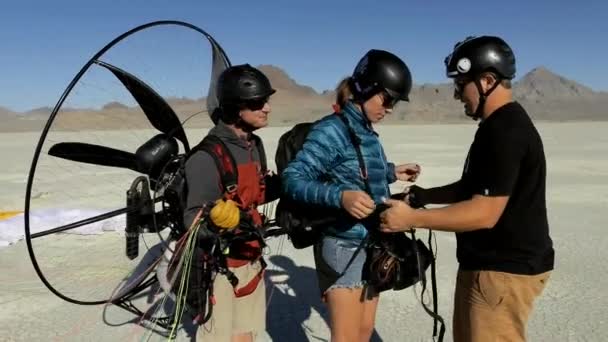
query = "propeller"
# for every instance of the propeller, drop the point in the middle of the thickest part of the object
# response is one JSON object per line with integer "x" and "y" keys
{"x": 148, "y": 158}
{"x": 157, "y": 110}
{"x": 219, "y": 63}
{"x": 94, "y": 154}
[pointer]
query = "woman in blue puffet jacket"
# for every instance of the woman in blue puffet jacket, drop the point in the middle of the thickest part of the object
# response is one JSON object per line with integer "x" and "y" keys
{"x": 379, "y": 81}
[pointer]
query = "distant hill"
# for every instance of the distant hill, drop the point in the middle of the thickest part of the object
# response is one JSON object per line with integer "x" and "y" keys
{"x": 550, "y": 96}
{"x": 282, "y": 82}
{"x": 5, "y": 112}
{"x": 114, "y": 106}
{"x": 547, "y": 96}
{"x": 541, "y": 83}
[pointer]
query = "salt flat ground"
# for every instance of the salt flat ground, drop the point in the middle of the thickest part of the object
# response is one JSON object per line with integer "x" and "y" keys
{"x": 574, "y": 306}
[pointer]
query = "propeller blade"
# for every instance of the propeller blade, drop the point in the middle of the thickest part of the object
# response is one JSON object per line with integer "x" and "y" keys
{"x": 157, "y": 110}
{"x": 94, "y": 154}
{"x": 219, "y": 63}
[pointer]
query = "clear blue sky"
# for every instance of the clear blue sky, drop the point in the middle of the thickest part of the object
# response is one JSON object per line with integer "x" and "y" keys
{"x": 45, "y": 43}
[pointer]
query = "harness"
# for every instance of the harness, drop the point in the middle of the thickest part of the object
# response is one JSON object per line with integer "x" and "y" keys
{"x": 217, "y": 251}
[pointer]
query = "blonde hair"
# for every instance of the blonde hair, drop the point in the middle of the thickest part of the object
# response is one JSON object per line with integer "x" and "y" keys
{"x": 343, "y": 92}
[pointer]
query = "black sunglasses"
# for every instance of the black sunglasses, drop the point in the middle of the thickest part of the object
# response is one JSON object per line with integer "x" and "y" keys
{"x": 459, "y": 85}
{"x": 255, "y": 104}
{"x": 388, "y": 101}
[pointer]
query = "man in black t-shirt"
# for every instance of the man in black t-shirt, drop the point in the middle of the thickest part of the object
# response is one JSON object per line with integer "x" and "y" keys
{"x": 498, "y": 207}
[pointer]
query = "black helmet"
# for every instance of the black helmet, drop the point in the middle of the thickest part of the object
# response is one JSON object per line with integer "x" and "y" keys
{"x": 476, "y": 55}
{"x": 241, "y": 83}
{"x": 380, "y": 70}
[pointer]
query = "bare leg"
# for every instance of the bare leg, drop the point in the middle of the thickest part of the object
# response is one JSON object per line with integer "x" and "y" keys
{"x": 366, "y": 327}
{"x": 346, "y": 314}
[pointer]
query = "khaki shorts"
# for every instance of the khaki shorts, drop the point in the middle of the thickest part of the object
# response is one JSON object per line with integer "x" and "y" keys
{"x": 494, "y": 306}
{"x": 231, "y": 315}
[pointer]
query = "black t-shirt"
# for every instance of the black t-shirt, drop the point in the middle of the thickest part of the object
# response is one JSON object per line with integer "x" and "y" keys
{"x": 507, "y": 158}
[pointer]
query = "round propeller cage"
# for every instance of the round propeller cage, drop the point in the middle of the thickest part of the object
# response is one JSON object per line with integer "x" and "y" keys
{"x": 157, "y": 162}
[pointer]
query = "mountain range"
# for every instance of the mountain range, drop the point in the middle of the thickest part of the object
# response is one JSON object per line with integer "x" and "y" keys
{"x": 546, "y": 95}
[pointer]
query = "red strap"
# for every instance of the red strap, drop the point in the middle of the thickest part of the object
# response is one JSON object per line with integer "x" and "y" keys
{"x": 224, "y": 158}
{"x": 224, "y": 161}
{"x": 253, "y": 283}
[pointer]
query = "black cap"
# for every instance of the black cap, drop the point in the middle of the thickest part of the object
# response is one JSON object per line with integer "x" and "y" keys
{"x": 241, "y": 83}
{"x": 381, "y": 70}
{"x": 476, "y": 55}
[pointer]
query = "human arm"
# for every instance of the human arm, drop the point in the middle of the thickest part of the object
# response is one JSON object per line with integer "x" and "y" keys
{"x": 305, "y": 178}
{"x": 418, "y": 196}
{"x": 203, "y": 182}
{"x": 494, "y": 179}
{"x": 480, "y": 212}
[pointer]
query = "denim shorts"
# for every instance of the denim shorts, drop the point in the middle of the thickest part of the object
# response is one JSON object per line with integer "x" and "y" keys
{"x": 332, "y": 256}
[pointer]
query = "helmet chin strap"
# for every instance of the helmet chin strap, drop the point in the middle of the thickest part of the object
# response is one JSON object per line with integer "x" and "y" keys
{"x": 482, "y": 99}
{"x": 365, "y": 117}
{"x": 360, "y": 101}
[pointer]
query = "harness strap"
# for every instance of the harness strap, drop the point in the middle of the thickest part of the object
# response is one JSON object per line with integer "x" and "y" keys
{"x": 433, "y": 313}
{"x": 224, "y": 161}
{"x": 248, "y": 288}
{"x": 356, "y": 141}
{"x": 253, "y": 283}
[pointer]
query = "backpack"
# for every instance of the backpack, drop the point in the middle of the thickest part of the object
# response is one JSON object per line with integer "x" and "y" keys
{"x": 302, "y": 222}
